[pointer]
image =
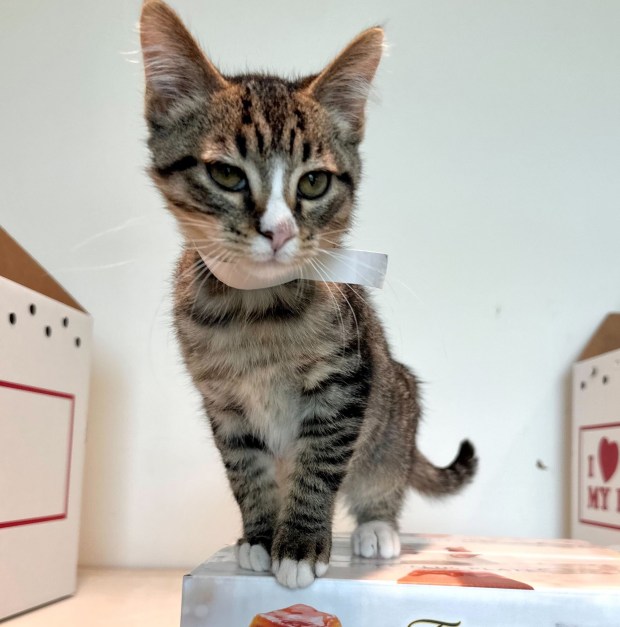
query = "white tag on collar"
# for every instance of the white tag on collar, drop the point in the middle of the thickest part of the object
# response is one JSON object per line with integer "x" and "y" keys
{"x": 338, "y": 265}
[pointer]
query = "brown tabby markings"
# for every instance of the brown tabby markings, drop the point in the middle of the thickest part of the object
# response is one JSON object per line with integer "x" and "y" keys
{"x": 304, "y": 399}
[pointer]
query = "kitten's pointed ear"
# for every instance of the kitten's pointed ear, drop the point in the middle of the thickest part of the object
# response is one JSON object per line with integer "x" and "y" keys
{"x": 343, "y": 86}
{"x": 174, "y": 65}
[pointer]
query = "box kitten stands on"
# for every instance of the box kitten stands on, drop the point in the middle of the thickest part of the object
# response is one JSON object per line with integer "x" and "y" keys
{"x": 449, "y": 581}
{"x": 45, "y": 339}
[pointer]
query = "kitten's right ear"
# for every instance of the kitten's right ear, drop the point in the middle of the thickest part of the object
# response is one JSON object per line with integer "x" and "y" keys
{"x": 175, "y": 67}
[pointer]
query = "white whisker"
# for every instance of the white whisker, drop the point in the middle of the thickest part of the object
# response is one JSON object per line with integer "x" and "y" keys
{"x": 114, "y": 229}
{"x": 315, "y": 265}
{"x": 357, "y": 330}
{"x": 106, "y": 266}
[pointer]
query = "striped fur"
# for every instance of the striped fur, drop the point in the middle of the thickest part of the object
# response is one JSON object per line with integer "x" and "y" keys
{"x": 303, "y": 397}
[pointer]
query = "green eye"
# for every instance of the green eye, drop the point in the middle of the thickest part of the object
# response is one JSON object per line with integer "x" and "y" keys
{"x": 229, "y": 177}
{"x": 313, "y": 184}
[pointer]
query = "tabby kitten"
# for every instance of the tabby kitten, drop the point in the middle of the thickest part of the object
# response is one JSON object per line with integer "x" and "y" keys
{"x": 304, "y": 399}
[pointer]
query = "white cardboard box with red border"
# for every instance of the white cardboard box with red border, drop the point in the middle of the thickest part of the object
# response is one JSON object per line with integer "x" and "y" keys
{"x": 45, "y": 339}
{"x": 596, "y": 438}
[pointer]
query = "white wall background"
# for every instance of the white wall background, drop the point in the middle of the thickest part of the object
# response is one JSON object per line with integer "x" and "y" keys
{"x": 492, "y": 180}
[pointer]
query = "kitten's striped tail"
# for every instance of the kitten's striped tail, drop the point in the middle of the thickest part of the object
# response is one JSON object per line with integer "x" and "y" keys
{"x": 433, "y": 481}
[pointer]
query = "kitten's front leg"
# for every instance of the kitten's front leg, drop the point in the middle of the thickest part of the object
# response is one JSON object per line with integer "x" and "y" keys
{"x": 303, "y": 539}
{"x": 251, "y": 473}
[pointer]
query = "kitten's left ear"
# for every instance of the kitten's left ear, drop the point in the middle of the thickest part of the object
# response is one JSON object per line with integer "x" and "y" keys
{"x": 175, "y": 67}
{"x": 343, "y": 86}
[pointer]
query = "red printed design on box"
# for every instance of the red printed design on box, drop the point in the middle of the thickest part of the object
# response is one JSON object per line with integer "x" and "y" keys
{"x": 296, "y": 616}
{"x": 599, "y": 475}
{"x": 38, "y": 427}
{"x": 462, "y": 578}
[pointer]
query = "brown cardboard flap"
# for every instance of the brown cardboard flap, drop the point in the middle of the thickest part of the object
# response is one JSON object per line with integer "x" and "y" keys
{"x": 17, "y": 265}
{"x": 606, "y": 338}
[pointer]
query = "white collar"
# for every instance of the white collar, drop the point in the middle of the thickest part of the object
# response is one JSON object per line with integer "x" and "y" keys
{"x": 359, "y": 267}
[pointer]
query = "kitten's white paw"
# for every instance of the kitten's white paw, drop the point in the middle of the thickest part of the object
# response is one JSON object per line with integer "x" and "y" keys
{"x": 376, "y": 538}
{"x": 297, "y": 574}
{"x": 320, "y": 568}
{"x": 253, "y": 557}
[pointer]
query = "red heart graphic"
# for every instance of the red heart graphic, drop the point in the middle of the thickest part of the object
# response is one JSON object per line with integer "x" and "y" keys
{"x": 607, "y": 458}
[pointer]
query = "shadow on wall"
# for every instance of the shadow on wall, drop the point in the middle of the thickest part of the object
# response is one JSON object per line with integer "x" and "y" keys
{"x": 567, "y": 413}
{"x": 107, "y": 461}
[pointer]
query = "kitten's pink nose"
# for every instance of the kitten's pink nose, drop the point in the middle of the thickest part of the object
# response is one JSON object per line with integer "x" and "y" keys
{"x": 283, "y": 232}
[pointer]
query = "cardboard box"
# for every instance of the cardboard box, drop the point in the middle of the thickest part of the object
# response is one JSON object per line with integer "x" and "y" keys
{"x": 438, "y": 580}
{"x": 45, "y": 339}
{"x": 595, "y": 512}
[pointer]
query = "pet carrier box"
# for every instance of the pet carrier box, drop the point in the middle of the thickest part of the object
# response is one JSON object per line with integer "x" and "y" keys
{"x": 596, "y": 438}
{"x": 45, "y": 339}
{"x": 437, "y": 581}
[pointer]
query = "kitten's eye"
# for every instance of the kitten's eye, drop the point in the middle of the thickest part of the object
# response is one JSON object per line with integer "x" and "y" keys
{"x": 313, "y": 184}
{"x": 227, "y": 176}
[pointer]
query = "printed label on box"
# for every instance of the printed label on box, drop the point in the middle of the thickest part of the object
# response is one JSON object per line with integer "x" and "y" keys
{"x": 599, "y": 475}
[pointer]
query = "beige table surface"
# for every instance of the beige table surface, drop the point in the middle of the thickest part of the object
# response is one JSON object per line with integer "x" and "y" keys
{"x": 114, "y": 598}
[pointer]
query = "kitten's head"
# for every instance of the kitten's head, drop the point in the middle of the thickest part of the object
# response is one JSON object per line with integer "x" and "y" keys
{"x": 256, "y": 169}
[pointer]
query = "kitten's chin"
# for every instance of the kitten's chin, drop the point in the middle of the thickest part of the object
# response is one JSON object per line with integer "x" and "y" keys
{"x": 250, "y": 274}
{"x": 273, "y": 263}
{"x": 270, "y": 267}
{"x": 276, "y": 261}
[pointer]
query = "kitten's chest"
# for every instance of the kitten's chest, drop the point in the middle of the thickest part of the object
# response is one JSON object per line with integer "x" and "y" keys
{"x": 260, "y": 376}
{"x": 272, "y": 405}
